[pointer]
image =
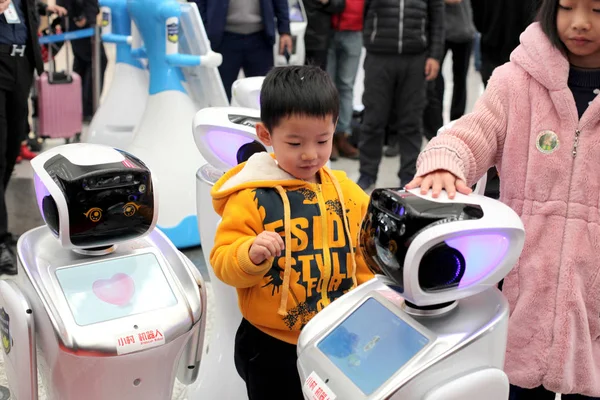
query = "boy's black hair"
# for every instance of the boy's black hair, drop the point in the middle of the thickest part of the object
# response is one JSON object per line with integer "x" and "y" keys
{"x": 547, "y": 18}
{"x": 297, "y": 90}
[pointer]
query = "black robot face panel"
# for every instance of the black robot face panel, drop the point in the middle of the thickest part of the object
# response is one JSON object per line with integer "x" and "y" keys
{"x": 106, "y": 202}
{"x": 394, "y": 218}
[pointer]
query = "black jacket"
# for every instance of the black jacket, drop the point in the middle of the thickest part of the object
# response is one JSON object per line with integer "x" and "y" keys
{"x": 500, "y": 23}
{"x": 318, "y": 29}
{"x": 87, "y": 9}
{"x": 405, "y": 27}
{"x": 33, "y": 10}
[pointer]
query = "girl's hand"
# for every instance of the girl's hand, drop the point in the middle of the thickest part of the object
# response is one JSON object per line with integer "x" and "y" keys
{"x": 266, "y": 245}
{"x": 438, "y": 180}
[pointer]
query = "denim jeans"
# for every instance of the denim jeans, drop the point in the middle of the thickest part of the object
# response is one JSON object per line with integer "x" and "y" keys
{"x": 342, "y": 65}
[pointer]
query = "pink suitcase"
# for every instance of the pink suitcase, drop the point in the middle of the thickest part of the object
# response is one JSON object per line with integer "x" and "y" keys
{"x": 60, "y": 113}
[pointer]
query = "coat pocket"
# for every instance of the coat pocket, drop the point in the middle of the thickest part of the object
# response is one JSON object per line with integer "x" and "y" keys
{"x": 592, "y": 304}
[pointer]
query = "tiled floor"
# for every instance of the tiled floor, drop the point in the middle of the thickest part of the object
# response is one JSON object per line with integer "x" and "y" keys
{"x": 24, "y": 214}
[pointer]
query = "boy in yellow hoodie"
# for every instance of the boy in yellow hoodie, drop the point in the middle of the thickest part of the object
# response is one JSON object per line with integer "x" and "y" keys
{"x": 287, "y": 240}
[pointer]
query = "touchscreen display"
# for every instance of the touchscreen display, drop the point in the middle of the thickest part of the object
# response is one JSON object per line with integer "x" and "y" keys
{"x": 107, "y": 290}
{"x": 371, "y": 345}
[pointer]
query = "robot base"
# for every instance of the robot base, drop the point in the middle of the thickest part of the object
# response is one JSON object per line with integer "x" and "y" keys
{"x": 218, "y": 361}
{"x": 165, "y": 143}
{"x": 461, "y": 352}
{"x": 94, "y": 357}
{"x": 115, "y": 121}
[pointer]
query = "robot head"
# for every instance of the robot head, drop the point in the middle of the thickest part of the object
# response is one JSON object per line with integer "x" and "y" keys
{"x": 246, "y": 92}
{"x": 226, "y": 136}
{"x": 93, "y": 196}
{"x": 437, "y": 251}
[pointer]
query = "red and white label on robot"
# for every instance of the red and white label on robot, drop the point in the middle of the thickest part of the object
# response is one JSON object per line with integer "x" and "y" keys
{"x": 139, "y": 340}
{"x": 316, "y": 389}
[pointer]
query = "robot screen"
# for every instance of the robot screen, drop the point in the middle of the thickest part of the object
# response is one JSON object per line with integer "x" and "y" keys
{"x": 107, "y": 290}
{"x": 371, "y": 345}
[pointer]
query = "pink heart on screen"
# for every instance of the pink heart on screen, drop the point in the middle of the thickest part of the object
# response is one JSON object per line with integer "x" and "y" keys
{"x": 117, "y": 290}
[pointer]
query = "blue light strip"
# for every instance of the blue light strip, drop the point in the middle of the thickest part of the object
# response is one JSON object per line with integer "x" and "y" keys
{"x": 61, "y": 37}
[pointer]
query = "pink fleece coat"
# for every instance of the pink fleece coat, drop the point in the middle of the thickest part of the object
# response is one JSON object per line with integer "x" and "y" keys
{"x": 554, "y": 290}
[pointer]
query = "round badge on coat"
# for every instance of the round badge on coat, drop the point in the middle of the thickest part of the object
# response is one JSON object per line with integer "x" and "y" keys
{"x": 547, "y": 142}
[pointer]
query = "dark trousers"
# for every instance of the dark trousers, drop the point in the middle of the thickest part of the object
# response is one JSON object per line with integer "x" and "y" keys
{"x": 488, "y": 65}
{"x": 317, "y": 58}
{"x": 267, "y": 365}
{"x": 82, "y": 65}
{"x": 252, "y": 53}
{"x": 540, "y": 393}
{"x": 392, "y": 79}
{"x": 16, "y": 76}
{"x": 433, "y": 115}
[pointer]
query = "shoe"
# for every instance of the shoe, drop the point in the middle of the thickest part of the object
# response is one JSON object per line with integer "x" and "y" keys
{"x": 335, "y": 153}
{"x": 344, "y": 147}
{"x": 26, "y": 153}
{"x": 366, "y": 183}
{"x": 392, "y": 151}
{"x": 8, "y": 262}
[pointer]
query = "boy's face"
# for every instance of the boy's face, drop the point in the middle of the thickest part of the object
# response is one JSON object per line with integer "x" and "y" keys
{"x": 302, "y": 145}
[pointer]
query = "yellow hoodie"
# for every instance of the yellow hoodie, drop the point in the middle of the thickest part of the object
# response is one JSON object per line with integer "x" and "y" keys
{"x": 319, "y": 263}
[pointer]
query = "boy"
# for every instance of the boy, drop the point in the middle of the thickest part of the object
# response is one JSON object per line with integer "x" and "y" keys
{"x": 289, "y": 231}
{"x": 405, "y": 43}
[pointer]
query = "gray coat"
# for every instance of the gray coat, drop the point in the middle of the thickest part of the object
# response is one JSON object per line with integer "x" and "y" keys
{"x": 460, "y": 27}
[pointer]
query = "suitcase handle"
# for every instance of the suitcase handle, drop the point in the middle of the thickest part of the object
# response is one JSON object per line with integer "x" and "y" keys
{"x": 65, "y": 76}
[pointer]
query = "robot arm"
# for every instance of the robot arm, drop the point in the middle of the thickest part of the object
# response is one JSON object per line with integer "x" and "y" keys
{"x": 209, "y": 60}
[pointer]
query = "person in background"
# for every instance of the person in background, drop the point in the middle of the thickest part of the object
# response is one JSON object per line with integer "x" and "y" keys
{"x": 20, "y": 54}
{"x": 318, "y": 29}
{"x": 405, "y": 45}
{"x": 243, "y": 31}
{"x": 500, "y": 24}
{"x": 343, "y": 60}
{"x": 82, "y": 14}
{"x": 460, "y": 33}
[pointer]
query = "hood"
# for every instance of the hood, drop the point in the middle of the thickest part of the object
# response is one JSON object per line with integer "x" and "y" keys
{"x": 540, "y": 59}
{"x": 262, "y": 171}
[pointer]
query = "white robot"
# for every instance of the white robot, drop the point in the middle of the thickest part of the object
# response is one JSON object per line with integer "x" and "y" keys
{"x": 104, "y": 305}
{"x": 431, "y": 325}
{"x": 298, "y": 24}
{"x": 115, "y": 121}
{"x": 163, "y": 138}
{"x": 245, "y": 92}
{"x": 226, "y": 137}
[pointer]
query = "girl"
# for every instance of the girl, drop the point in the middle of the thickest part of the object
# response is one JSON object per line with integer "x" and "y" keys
{"x": 539, "y": 124}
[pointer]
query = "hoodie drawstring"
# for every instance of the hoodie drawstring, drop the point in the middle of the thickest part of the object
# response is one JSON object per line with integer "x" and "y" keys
{"x": 340, "y": 195}
{"x": 287, "y": 223}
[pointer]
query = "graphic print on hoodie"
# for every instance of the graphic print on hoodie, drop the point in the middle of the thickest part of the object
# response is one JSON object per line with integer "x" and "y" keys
{"x": 320, "y": 261}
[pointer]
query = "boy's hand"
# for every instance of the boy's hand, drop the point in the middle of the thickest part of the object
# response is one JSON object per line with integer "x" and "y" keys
{"x": 439, "y": 180}
{"x": 432, "y": 68}
{"x": 266, "y": 245}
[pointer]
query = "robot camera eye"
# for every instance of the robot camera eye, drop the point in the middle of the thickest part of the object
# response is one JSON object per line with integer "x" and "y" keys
{"x": 247, "y": 150}
{"x": 442, "y": 267}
